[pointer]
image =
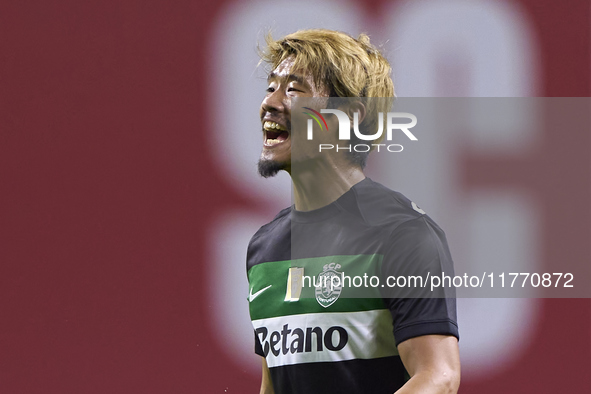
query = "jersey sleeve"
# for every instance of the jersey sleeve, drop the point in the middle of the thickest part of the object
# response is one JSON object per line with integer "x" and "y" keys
{"x": 418, "y": 247}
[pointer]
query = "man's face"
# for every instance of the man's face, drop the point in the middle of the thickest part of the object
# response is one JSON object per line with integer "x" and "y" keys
{"x": 284, "y": 84}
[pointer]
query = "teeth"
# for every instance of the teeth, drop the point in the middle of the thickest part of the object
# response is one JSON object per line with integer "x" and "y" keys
{"x": 272, "y": 142}
{"x": 273, "y": 126}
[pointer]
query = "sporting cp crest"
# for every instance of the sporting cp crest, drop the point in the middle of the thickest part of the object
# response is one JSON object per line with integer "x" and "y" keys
{"x": 329, "y": 284}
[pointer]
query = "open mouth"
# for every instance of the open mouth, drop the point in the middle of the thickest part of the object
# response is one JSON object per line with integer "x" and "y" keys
{"x": 274, "y": 133}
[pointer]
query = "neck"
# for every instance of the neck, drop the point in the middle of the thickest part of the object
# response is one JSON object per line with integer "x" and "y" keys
{"x": 318, "y": 184}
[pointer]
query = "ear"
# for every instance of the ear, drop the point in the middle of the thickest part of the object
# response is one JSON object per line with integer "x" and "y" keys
{"x": 356, "y": 106}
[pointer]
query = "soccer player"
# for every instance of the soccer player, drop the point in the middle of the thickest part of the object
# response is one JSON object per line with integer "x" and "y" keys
{"x": 316, "y": 335}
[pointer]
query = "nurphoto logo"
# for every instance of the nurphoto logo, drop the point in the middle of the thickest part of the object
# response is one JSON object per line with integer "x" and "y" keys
{"x": 345, "y": 129}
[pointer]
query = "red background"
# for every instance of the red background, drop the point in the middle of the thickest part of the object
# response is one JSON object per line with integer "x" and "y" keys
{"x": 108, "y": 188}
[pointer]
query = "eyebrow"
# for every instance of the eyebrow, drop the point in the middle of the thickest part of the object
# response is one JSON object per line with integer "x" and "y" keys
{"x": 289, "y": 77}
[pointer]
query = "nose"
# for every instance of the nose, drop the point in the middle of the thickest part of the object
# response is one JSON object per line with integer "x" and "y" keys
{"x": 274, "y": 102}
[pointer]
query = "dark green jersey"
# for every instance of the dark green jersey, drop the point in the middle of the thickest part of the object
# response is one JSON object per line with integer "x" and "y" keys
{"x": 323, "y": 314}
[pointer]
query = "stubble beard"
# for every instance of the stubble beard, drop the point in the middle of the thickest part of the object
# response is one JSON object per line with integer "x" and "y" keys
{"x": 269, "y": 168}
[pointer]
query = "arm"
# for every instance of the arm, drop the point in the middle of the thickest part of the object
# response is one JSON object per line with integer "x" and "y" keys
{"x": 433, "y": 362}
{"x": 266, "y": 384}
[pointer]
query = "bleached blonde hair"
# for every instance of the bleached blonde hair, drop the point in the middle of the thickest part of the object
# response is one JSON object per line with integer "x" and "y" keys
{"x": 349, "y": 67}
{"x": 346, "y": 66}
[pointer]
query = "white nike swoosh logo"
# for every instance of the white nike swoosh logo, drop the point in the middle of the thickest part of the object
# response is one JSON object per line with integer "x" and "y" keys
{"x": 258, "y": 293}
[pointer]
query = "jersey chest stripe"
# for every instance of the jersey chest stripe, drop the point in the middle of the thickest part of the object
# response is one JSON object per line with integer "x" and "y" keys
{"x": 316, "y": 337}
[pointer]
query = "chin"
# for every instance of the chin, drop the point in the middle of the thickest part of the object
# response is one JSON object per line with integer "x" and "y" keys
{"x": 269, "y": 168}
